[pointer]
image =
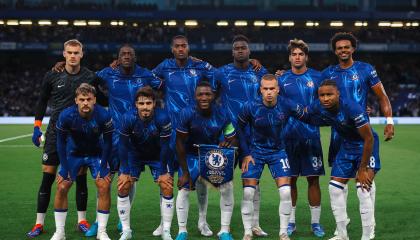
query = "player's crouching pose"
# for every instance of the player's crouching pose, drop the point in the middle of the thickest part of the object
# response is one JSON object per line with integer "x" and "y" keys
{"x": 358, "y": 156}
{"x": 202, "y": 123}
{"x": 144, "y": 136}
{"x": 266, "y": 118}
{"x": 80, "y": 129}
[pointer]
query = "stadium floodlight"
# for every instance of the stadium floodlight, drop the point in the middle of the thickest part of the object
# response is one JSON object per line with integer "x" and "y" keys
{"x": 241, "y": 23}
{"x": 288, "y": 24}
{"x": 135, "y": 24}
{"x": 12, "y": 22}
{"x": 273, "y": 24}
{"x": 114, "y": 23}
{"x": 79, "y": 23}
{"x": 120, "y": 23}
{"x": 44, "y": 22}
{"x": 397, "y": 24}
{"x": 191, "y": 23}
{"x": 222, "y": 23}
{"x": 62, "y": 22}
{"x": 94, "y": 23}
{"x": 259, "y": 23}
{"x": 336, "y": 24}
{"x": 384, "y": 24}
{"x": 360, "y": 24}
{"x": 25, "y": 22}
{"x": 1, "y": 22}
{"x": 172, "y": 23}
{"x": 312, "y": 24}
{"x": 415, "y": 24}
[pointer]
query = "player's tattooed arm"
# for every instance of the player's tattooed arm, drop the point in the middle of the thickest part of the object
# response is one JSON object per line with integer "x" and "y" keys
{"x": 229, "y": 142}
{"x": 59, "y": 66}
{"x": 386, "y": 109}
{"x": 363, "y": 172}
{"x": 256, "y": 64}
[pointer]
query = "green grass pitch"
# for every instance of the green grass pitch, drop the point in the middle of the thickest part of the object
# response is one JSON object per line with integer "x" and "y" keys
{"x": 397, "y": 204}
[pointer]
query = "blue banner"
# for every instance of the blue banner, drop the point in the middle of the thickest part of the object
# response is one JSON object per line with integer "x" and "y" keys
{"x": 216, "y": 164}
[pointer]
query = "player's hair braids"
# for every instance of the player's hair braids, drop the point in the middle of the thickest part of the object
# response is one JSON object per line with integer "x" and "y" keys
{"x": 73, "y": 42}
{"x": 328, "y": 82}
{"x": 239, "y": 38}
{"x": 343, "y": 36}
{"x": 297, "y": 43}
{"x": 147, "y": 92}
{"x": 179, "y": 37}
{"x": 85, "y": 89}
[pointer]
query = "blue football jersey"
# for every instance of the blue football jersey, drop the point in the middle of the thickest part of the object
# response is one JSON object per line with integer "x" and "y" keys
{"x": 237, "y": 86}
{"x": 346, "y": 121}
{"x": 180, "y": 83}
{"x": 302, "y": 89}
{"x": 84, "y": 136}
{"x": 122, "y": 89}
{"x": 204, "y": 129}
{"x": 266, "y": 124}
{"x": 354, "y": 82}
{"x": 145, "y": 136}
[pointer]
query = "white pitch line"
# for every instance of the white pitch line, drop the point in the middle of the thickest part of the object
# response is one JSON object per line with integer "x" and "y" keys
{"x": 13, "y": 138}
{"x": 16, "y": 146}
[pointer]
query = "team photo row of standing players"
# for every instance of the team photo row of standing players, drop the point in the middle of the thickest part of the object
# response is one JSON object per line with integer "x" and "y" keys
{"x": 120, "y": 119}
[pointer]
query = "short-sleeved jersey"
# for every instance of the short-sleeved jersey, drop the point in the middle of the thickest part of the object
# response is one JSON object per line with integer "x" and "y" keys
{"x": 302, "y": 89}
{"x": 237, "y": 86}
{"x": 122, "y": 89}
{"x": 346, "y": 121}
{"x": 180, "y": 83}
{"x": 58, "y": 89}
{"x": 354, "y": 82}
{"x": 266, "y": 126}
{"x": 84, "y": 135}
{"x": 144, "y": 136}
{"x": 204, "y": 129}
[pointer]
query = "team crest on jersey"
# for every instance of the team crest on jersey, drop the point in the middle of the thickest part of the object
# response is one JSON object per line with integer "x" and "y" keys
{"x": 44, "y": 157}
{"x": 254, "y": 79}
{"x": 373, "y": 73}
{"x": 355, "y": 77}
{"x": 193, "y": 72}
{"x": 310, "y": 84}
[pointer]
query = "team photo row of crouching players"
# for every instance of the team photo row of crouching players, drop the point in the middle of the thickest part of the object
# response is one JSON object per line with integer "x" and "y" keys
{"x": 206, "y": 123}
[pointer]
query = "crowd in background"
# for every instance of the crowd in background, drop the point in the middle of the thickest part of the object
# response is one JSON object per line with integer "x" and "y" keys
{"x": 206, "y": 32}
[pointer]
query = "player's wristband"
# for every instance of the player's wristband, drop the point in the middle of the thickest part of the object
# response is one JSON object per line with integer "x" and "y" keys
{"x": 390, "y": 120}
{"x": 38, "y": 123}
